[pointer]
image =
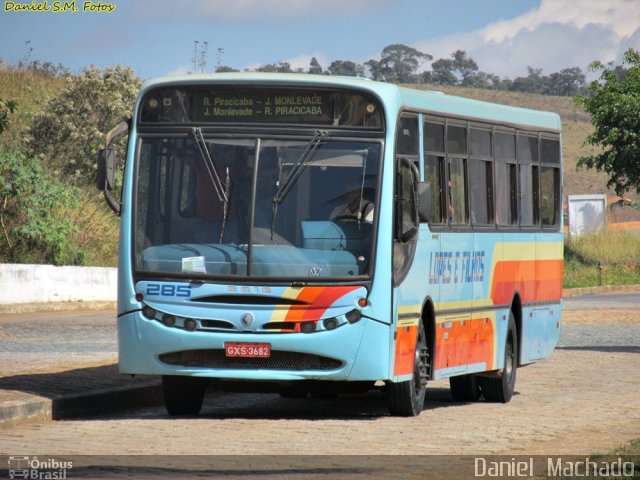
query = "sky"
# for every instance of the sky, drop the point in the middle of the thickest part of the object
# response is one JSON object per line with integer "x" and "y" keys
{"x": 156, "y": 37}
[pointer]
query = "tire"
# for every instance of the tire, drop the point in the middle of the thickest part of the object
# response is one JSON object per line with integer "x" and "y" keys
{"x": 465, "y": 388}
{"x": 406, "y": 399}
{"x": 501, "y": 389}
{"x": 183, "y": 396}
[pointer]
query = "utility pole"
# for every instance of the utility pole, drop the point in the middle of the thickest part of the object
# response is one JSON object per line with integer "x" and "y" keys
{"x": 203, "y": 57}
{"x": 219, "y": 58}
{"x": 194, "y": 59}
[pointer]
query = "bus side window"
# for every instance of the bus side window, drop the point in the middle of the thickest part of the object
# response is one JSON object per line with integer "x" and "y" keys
{"x": 434, "y": 168}
{"x": 407, "y": 140}
{"x": 407, "y": 143}
{"x": 506, "y": 179}
{"x": 457, "y": 180}
{"x": 480, "y": 177}
{"x": 550, "y": 182}
{"x": 528, "y": 180}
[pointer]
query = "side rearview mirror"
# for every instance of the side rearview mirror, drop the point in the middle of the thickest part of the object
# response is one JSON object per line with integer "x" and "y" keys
{"x": 106, "y": 174}
{"x": 407, "y": 221}
{"x": 424, "y": 201}
{"x": 107, "y": 163}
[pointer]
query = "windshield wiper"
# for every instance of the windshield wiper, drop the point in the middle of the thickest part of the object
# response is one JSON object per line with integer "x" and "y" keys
{"x": 285, "y": 186}
{"x": 312, "y": 147}
{"x": 223, "y": 191}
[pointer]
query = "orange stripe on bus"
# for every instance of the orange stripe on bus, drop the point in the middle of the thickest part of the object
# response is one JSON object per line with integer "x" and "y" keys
{"x": 464, "y": 344}
{"x": 405, "y": 350}
{"x": 318, "y": 300}
{"x": 536, "y": 280}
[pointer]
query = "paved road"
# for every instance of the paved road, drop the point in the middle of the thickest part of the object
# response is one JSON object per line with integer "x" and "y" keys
{"x": 45, "y": 341}
{"x": 602, "y": 302}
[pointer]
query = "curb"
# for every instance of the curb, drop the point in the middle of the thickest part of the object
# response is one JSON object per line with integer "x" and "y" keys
{"x": 38, "y": 410}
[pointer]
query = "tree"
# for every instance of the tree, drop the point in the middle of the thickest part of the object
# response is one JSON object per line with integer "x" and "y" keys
{"x": 398, "y": 64}
{"x": 442, "y": 72}
{"x": 567, "y": 82}
{"x": 315, "y": 67}
{"x": 532, "y": 83}
{"x": 279, "y": 67}
{"x": 224, "y": 69}
{"x": 465, "y": 66}
{"x": 346, "y": 68}
{"x": 71, "y": 127}
{"x": 614, "y": 105}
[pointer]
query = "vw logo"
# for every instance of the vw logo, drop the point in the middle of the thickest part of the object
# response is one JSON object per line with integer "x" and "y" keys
{"x": 247, "y": 319}
{"x": 315, "y": 271}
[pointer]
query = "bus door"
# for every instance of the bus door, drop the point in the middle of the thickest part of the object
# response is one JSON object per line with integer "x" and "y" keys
{"x": 409, "y": 269}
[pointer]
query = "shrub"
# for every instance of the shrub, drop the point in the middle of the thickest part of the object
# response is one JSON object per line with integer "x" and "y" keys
{"x": 34, "y": 214}
{"x": 71, "y": 127}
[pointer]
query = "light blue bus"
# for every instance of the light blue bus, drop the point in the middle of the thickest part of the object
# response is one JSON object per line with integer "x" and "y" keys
{"x": 316, "y": 235}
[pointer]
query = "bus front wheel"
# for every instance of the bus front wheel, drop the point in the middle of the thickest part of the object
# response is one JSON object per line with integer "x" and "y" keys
{"x": 183, "y": 396}
{"x": 407, "y": 398}
{"x": 501, "y": 389}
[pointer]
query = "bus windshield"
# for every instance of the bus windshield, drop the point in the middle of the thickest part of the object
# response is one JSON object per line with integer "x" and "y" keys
{"x": 300, "y": 208}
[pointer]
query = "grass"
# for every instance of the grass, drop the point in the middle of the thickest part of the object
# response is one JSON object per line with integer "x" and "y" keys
{"x": 31, "y": 91}
{"x": 99, "y": 227}
{"x": 617, "y": 252}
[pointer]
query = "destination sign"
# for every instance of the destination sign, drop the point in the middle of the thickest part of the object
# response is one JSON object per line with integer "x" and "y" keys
{"x": 261, "y": 105}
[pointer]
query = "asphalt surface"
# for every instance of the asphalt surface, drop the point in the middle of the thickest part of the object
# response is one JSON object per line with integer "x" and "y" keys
{"x": 62, "y": 364}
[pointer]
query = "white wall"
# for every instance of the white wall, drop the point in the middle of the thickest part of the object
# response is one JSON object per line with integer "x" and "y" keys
{"x": 20, "y": 284}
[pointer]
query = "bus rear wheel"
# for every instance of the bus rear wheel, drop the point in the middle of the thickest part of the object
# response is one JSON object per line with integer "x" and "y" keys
{"x": 406, "y": 399}
{"x": 501, "y": 389}
{"x": 183, "y": 396}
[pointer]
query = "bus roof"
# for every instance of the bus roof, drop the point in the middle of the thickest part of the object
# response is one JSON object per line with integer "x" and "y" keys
{"x": 394, "y": 97}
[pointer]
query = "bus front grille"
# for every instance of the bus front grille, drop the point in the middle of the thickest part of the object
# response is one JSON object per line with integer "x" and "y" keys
{"x": 279, "y": 360}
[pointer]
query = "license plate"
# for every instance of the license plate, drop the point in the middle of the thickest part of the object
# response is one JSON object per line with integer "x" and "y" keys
{"x": 247, "y": 350}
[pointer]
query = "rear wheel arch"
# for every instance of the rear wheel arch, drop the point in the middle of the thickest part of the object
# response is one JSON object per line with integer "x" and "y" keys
{"x": 516, "y": 309}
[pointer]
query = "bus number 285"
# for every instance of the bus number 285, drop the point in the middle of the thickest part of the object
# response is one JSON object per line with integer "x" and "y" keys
{"x": 169, "y": 290}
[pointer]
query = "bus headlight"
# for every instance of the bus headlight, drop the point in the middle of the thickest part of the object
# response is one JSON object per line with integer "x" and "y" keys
{"x": 353, "y": 316}
{"x": 149, "y": 312}
{"x": 308, "y": 327}
{"x": 168, "y": 320}
{"x": 330, "y": 323}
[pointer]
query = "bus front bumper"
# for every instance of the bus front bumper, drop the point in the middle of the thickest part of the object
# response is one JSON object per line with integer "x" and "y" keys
{"x": 147, "y": 347}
